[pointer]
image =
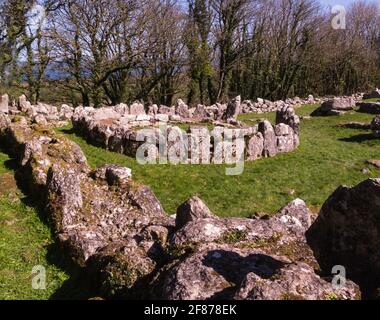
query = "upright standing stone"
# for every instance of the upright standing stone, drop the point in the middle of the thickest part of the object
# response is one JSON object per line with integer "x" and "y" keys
{"x": 137, "y": 109}
{"x": 233, "y": 108}
{"x": 270, "y": 139}
{"x": 182, "y": 109}
{"x": 23, "y": 104}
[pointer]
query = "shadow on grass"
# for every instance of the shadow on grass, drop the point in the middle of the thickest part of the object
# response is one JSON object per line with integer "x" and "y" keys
{"x": 67, "y": 131}
{"x": 359, "y": 138}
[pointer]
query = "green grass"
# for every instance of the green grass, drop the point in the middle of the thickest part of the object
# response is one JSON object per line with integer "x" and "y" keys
{"x": 25, "y": 241}
{"x": 329, "y": 156}
{"x": 372, "y": 100}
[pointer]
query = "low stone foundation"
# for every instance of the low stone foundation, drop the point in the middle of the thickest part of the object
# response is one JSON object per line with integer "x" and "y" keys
{"x": 110, "y": 129}
{"x": 117, "y": 231}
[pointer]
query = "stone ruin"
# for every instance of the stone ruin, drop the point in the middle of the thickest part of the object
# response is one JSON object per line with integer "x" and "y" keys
{"x": 43, "y": 114}
{"x": 113, "y": 129}
{"x": 139, "y": 115}
{"x": 116, "y": 230}
{"x": 335, "y": 107}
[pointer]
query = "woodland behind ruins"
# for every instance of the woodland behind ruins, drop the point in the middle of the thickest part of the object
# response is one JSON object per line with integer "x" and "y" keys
{"x": 91, "y": 52}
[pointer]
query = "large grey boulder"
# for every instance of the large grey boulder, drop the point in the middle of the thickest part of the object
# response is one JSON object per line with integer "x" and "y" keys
{"x": 4, "y": 103}
{"x": 235, "y": 258}
{"x": 347, "y": 230}
{"x": 287, "y": 140}
{"x": 223, "y": 271}
{"x": 333, "y": 107}
{"x": 296, "y": 281}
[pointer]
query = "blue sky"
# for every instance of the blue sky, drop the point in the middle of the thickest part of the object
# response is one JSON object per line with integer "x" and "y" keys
{"x": 335, "y": 2}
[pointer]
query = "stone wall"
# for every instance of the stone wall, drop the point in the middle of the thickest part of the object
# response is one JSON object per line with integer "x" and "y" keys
{"x": 114, "y": 130}
{"x": 117, "y": 231}
{"x": 139, "y": 115}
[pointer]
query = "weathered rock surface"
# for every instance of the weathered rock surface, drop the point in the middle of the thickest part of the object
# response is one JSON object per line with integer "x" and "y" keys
{"x": 246, "y": 259}
{"x": 337, "y": 106}
{"x": 347, "y": 230}
{"x": 118, "y": 231}
{"x": 233, "y": 108}
{"x": 288, "y": 116}
{"x": 191, "y": 210}
{"x": 100, "y": 215}
{"x": 292, "y": 282}
{"x": 270, "y": 140}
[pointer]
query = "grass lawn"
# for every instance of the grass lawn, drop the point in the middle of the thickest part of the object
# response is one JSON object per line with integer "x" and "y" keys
{"x": 25, "y": 241}
{"x": 328, "y": 157}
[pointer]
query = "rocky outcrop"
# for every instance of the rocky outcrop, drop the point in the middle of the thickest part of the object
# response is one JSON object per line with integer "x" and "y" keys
{"x": 42, "y": 114}
{"x": 103, "y": 220}
{"x": 346, "y": 233}
{"x": 117, "y": 230}
{"x": 334, "y": 107}
{"x": 254, "y": 259}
